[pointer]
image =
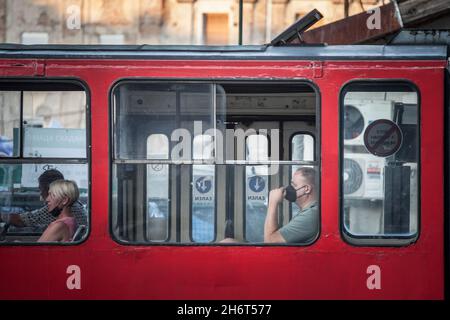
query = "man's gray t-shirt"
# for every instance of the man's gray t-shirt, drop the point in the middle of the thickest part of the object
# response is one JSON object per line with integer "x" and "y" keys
{"x": 303, "y": 227}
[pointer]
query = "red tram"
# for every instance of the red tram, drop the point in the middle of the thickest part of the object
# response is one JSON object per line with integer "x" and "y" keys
{"x": 145, "y": 132}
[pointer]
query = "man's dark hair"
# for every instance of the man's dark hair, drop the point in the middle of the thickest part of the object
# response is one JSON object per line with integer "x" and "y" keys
{"x": 48, "y": 177}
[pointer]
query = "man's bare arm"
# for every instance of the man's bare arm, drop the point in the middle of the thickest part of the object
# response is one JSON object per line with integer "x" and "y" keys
{"x": 13, "y": 219}
{"x": 271, "y": 233}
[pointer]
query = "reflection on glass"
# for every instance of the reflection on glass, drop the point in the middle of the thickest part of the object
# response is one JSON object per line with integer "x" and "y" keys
{"x": 257, "y": 148}
{"x": 207, "y": 198}
{"x": 127, "y": 216}
{"x": 256, "y": 188}
{"x": 157, "y": 188}
{"x": 257, "y": 191}
{"x": 203, "y": 191}
{"x": 54, "y": 124}
{"x": 203, "y": 203}
{"x": 302, "y": 149}
{"x": 160, "y": 108}
{"x": 9, "y": 123}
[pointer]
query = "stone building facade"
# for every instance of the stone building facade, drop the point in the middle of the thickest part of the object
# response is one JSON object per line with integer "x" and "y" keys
{"x": 159, "y": 21}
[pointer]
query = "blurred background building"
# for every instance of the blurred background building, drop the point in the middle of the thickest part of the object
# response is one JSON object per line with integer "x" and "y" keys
{"x": 214, "y": 22}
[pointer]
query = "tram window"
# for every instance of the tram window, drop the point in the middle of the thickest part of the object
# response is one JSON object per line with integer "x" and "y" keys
{"x": 379, "y": 163}
{"x": 179, "y": 112}
{"x": 47, "y": 121}
{"x": 220, "y": 148}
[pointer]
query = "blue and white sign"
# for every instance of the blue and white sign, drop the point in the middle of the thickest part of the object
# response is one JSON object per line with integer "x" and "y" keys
{"x": 203, "y": 190}
{"x": 203, "y": 184}
{"x": 256, "y": 188}
{"x": 257, "y": 183}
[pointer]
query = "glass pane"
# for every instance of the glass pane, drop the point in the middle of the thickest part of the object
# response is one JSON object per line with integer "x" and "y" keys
{"x": 263, "y": 110}
{"x": 157, "y": 189}
{"x": 157, "y": 147}
{"x": 9, "y": 123}
{"x": 179, "y": 111}
{"x": 257, "y": 148}
{"x": 203, "y": 147}
{"x": 302, "y": 147}
{"x": 256, "y": 188}
{"x": 257, "y": 183}
{"x": 128, "y": 218}
{"x": 203, "y": 203}
{"x": 203, "y": 191}
{"x": 380, "y": 161}
{"x": 54, "y": 124}
{"x": 22, "y": 199}
{"x": 301, "y": 228}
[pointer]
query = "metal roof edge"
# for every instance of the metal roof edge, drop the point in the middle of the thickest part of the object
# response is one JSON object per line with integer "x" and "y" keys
{"x": 287, "y": 52}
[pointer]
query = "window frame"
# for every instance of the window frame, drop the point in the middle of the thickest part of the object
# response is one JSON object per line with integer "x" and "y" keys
{"x": 381, "y": 240}
{"x": 27, "y": 84}
{"x": 218, "y": 82}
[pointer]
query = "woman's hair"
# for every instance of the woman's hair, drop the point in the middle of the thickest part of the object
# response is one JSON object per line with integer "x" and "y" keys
{"x": 65, "y": 188}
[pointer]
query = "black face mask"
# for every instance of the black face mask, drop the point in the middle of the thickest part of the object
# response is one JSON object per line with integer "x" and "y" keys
{"x": 56, "y": 211}
{"x": 291, "y": 193}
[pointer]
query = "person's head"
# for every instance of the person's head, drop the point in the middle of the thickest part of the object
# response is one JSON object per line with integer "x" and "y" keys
{"x": 304, "y": 183}
{"x": 45, "y": 179}
{"x": 61, "y": 194}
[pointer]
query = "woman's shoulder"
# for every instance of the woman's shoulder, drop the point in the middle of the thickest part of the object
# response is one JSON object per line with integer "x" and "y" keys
{"x": 55, "y": 231}
{"x": 57, "y": 224}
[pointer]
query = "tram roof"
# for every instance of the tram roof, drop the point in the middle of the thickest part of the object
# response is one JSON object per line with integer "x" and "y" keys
{"x": 250, "y": 52}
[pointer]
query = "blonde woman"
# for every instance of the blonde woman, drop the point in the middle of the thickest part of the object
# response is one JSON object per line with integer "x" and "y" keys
{"x": 61, "y": 196}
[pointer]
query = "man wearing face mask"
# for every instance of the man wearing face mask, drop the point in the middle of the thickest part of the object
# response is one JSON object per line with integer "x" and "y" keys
{"x": 42, "y": 217}
{"x": 304, "y": 226}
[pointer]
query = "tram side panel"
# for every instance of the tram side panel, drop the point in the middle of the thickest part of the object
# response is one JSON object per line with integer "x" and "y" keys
{"x": 321, "y": 270}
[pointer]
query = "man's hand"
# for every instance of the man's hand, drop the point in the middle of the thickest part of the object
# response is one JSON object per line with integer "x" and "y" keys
{"x": 276, "y": 196}
{"x": 12, "y": 218}
{"x": 271, "y": 233}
